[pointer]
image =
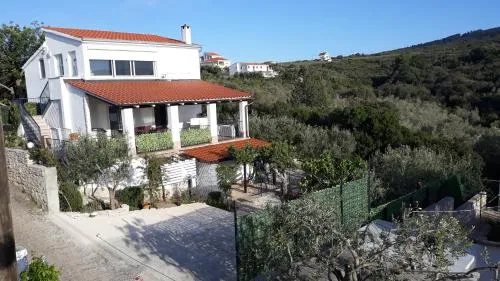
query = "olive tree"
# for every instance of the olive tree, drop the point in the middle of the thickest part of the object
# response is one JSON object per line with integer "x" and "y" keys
{"x": 244, "y": 156}
{"x": 98, "y": 160}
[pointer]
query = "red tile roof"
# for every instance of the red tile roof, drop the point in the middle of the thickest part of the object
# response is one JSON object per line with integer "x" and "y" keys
{"x": 214, "y": 59}
{"x": 211, "y": 54}
{"x": 219, "y": 152}
{"x": 133, "y": 92}
{"x": 112, "y": 35}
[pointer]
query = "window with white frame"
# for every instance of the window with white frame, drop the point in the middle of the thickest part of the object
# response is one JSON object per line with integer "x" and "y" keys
{"x": 73, "y": 62}
{"x": 123, "y": 68}
{"x": 59, "y": 65}
{"x": 101, "y": 68}
{"x": 41, "y": 64}
{"x": 143, "y": 68}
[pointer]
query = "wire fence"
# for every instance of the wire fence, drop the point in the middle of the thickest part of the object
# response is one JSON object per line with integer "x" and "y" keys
{"x": 347, "y": 204}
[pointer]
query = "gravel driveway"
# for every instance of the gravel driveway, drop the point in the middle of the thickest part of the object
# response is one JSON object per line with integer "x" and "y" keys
{"x": 189, "y": 242}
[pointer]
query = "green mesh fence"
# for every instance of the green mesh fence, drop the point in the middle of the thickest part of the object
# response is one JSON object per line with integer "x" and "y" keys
{"x": 347, "y": 205}
{"x": 429, "y": 194}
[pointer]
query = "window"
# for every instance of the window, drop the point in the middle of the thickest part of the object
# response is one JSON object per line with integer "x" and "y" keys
{"x": 74, "y": 65}
{"x": 59, "y": 65}
{"x": 122, "y": 67}
{"x": 42, "y": 68}
{"x": 143, "y": 68}
{"x": 100, "y": 67}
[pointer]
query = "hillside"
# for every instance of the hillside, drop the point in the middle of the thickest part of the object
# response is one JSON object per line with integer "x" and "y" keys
{"x": 462, "y": 70}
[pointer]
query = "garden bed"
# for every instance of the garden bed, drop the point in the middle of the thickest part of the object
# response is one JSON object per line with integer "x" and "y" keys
{"x": 190, "y": 137}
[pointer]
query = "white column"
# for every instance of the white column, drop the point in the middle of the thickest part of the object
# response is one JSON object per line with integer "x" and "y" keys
{"x": 243, "y": 107}
{"x": 129, "y": 129}
{"x": 173, "y": 125}
{"x": 212, "y": 121}
{"x": 86, "y": 111}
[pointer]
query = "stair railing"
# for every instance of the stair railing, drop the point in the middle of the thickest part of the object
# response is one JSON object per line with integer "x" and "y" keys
{"x": 31, "y": 128}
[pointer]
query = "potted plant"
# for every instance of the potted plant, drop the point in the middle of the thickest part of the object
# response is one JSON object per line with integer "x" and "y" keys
{"x": 74, "y": 136}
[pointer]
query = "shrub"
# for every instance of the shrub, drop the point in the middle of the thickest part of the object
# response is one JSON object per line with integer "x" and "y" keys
{"x": 154, "y": 142}
{"x": 177, "y": 197}
{"x": 43, "y": 156}
{"x": 191, "y": 137}
{"x": 40, "y": 270}
{"x": 217, "y": 199}
{"x": 132, "y": 196}
{"x": 69, "y": 194}
{"x": 32, "y": 108}
{"x": 226, "y": 176}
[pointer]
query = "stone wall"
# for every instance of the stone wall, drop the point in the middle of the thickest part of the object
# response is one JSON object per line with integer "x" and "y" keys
{"x": 470, "y": 211}
{"x": 39, "y": 182}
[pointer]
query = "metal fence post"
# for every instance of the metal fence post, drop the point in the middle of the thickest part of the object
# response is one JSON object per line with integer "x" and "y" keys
{"x": 236, "y": 241}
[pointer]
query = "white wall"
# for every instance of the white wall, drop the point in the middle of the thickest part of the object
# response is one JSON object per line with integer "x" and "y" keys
{"x": 76, "y": 112}
{"x": 173, "y": 62}
{"x": 144, "y": 116}
{"x": 34, "y": 82}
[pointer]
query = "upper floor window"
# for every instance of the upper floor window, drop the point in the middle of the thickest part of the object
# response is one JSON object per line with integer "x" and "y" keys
{"x": 59, "y": 65}
{"x": 74, "y": 65}
{"x": 122, "y": 67}
{"x": 101, "y": 68}
{"x": 41, "y": 63}
{"x": 144, "y": 68}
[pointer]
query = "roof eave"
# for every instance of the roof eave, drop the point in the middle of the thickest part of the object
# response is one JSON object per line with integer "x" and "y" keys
{"x": 62, "y": 34}
{"x": 180, "y": 44}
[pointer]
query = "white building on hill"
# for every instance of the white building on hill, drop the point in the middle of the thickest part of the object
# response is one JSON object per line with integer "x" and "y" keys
{"x": 252, "y": 67}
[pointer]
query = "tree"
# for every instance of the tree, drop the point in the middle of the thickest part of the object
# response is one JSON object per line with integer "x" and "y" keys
{"x": 17, "y": 44}
{"x": 226, "y": 176}
{"x": 154, "y": 175}
{"x": 327, "y": 171}
{"x": 98, "y": 160}
{"x": 308, "y": 243}
{"x": 281, "y": 157}
{"x": 244, "y": 156}
{"x": 489, "y": 148}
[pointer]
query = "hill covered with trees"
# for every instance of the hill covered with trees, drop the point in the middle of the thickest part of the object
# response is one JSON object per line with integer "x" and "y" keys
{"x": 436, "y": 102}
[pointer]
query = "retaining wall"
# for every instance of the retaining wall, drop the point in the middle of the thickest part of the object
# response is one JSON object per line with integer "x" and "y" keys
{"x": 39, "y": 182}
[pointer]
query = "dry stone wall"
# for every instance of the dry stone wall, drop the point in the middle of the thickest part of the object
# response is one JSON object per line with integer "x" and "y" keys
{"x": 38, "y": 181}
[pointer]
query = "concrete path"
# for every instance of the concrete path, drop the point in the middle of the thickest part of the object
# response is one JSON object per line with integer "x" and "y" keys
{"x": 76, "y": 261}
{"x": 190, "y": 242}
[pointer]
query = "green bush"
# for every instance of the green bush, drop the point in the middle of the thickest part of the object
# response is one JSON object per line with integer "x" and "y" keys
{"x": 40, "y": 270}
{"x": 32, "y": 108}
{"x": 43, "y": 156}
{"x": 217, "y": 199}
{"x": 132, "y": 196}
{"x": 191, "y": 137}
{"x": 69, "y": 194}
{"x": 154, "y": 142}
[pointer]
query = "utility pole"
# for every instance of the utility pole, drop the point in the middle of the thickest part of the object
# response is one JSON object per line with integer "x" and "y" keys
{"x": 8, "y": 268}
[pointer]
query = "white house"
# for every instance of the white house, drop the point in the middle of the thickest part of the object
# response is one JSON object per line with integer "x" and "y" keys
{"x": 214, "y": 59}
{"x": 117, "y": 82}
{"x": 325, "y": 56}
{"x": 252, "y": 67}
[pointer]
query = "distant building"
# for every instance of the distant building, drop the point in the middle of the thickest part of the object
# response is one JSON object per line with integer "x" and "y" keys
{"x": 252, "y": 67}
{"x": 325, "y": 56}
{"x": 214, "y": 59}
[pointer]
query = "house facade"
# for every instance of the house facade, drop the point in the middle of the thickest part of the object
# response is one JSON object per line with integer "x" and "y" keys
{"x": 93, "y": 81}
{"x": 252, "y": 67}
{"x": 214, "y": 60}
{"x": 324, "y": 56}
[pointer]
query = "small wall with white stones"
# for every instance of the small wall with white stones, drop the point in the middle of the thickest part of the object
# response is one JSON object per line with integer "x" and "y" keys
{"x": 38, "y": 181}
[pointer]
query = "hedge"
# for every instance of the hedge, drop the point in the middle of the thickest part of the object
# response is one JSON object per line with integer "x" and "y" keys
{"x": 154, "y": 142}
{"x": 191, "y": 137}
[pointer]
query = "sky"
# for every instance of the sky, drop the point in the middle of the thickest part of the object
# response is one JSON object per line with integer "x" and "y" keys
{"x": 255, "y": 30}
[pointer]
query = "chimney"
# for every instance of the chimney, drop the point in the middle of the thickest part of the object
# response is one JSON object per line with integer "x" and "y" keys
{"x": 186, "y": 33}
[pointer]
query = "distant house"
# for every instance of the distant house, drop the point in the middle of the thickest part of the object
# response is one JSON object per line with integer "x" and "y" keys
{"x": 325, "y": 56}
{"x": 252, "y": 67}
{"x": 214, "y": 59}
